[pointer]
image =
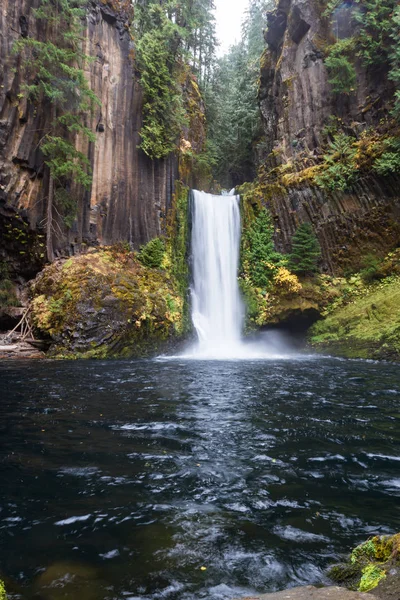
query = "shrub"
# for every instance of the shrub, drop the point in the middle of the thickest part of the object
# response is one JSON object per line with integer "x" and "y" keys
{"x": 389, "y": 162}
{"x": 371, "y": 269}
{"x": 152, "y": 254}
{"x": 340, "y": 168}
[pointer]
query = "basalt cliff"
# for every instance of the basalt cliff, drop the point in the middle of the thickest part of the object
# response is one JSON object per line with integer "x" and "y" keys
{"x": 302, "y": 113}
{"x": 130, "y": 194}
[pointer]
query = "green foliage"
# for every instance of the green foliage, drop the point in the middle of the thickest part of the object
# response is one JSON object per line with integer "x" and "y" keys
{"x": 389, "y": 162}
{"x": 169, "y": 35}
{"x": 7, "y": 290}
{"x": 163, "y": 112}
{"x": 3, "y": 595}
{"x": 374, "y": 38}
{"x": 340, "y": 169}
{"x": 371, "y": 576}
{"x": 371, "y": 270}
{"x": 306, "y": 251}
{"x": 342, "y": 73}
{"x": 367, "y": 326}
{"x": 56, "y": 80}
{"x": 394, "y": 73}
{"x": 66, "y": 202}
{"x": 65, "y": 161}
{"x": 233, "y": 116}
{"x": 376, "y": 42}
{"x": 152, "y": 254}
{"x": 259, "y": 256}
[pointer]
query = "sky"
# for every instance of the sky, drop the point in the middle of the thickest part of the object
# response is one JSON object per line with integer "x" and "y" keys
{"x": 229, "y": 15}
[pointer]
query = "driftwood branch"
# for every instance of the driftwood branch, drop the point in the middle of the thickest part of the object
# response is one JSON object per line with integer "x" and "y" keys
{"x": 24, "y": 325}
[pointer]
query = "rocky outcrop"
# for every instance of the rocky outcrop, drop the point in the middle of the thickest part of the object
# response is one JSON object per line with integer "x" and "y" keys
{"x": 130, "y": 194}
{"x": 350, "y": 225}
{"x": 299, "y": 111}
{"x": 309, "y": 592}
{"x": 296, "y": 99}
{"x": 106, "y": 304}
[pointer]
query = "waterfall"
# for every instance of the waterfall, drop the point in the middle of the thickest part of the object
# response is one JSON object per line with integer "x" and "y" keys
{"x": 217, "y": 309}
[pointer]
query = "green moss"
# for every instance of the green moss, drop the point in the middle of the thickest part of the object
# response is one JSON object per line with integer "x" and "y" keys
{"x": 347, "y": 574}
{"x": 3, "y": 595}
{"x": 371, "y": 576}
{"x": 364, "y": 551}
{"x": 367, "y": 327}
{"x": 108, "y": 303}
{"x": 368, "y": 563}
{"x": 177, "y": 248}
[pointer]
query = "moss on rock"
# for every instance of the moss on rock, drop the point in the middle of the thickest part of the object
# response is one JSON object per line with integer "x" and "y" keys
{"x": 106, "y": 304}
{"x": 369, "y": 564}
{"x": 112, "y": 302}
{"x": 3, "y": 595}
{"x": 368, "y": 326}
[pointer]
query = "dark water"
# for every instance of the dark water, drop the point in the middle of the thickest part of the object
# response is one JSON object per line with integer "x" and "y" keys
{"x": 120, "y": 480}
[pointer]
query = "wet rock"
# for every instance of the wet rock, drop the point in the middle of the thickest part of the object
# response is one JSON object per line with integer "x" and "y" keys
{"x": 297, "y": 106}
{"x": 310, "y": 592}
{"x": 14, "y": 348}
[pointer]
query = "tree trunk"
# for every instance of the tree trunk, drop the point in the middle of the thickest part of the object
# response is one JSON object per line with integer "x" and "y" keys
{"x": 49, "y": 221}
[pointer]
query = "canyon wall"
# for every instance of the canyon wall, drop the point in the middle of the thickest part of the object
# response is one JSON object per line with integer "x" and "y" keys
{"x": 130, "y": 194}
{"x": 298, "y": 110}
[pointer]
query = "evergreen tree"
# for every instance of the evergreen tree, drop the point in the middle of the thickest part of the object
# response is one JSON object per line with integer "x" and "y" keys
{"x": 171, "y": 36}
{"x": 259, "y": 256}
{"x": 56, "y": 81}
{"x": 306, "y": 251}
{"x": 233, "y": 116}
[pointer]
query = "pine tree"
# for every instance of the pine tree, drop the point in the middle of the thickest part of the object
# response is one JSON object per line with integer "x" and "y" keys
{"x": 56, "y": 81}
{"x": 306, "y": 251}
{"x": 259, "y": 255}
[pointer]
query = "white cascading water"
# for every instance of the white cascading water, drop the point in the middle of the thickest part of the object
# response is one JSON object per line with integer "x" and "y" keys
{"x": 217, "y": 309}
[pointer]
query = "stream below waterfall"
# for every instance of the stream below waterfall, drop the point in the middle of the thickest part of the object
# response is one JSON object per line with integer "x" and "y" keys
{"x": 122, "y": 479}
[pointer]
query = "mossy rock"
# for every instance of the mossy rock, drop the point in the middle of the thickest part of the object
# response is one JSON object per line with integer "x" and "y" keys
{"x": 372, "y": 564}
{"x": 346, "y": 574}
{"x": 3, "y": 595}
{"x": 106, "y": 304}
{"x": 368, "y": 326}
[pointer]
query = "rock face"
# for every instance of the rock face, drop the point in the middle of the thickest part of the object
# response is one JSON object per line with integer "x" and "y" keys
{"x": 130, "y": 194}
{"x": 298, "y": 107}
{"x": 310, "y": 592}
{"x": 296, "y": 99}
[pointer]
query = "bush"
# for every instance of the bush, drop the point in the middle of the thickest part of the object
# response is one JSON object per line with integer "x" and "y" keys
{"x": 340, "y": 168}
{"x": 3, "y": 595}
{"x": 389, "y": 162}
{"x": 371, "y": 269}
{"x": 152, "y": 254}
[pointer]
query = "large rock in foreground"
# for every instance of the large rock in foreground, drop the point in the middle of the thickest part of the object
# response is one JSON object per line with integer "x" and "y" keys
{"x": 310, "y": 592}
{"x": 106, "y": 304}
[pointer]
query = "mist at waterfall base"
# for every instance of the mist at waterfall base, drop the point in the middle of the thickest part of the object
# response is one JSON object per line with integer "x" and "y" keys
{"x": 218, "y": 310}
